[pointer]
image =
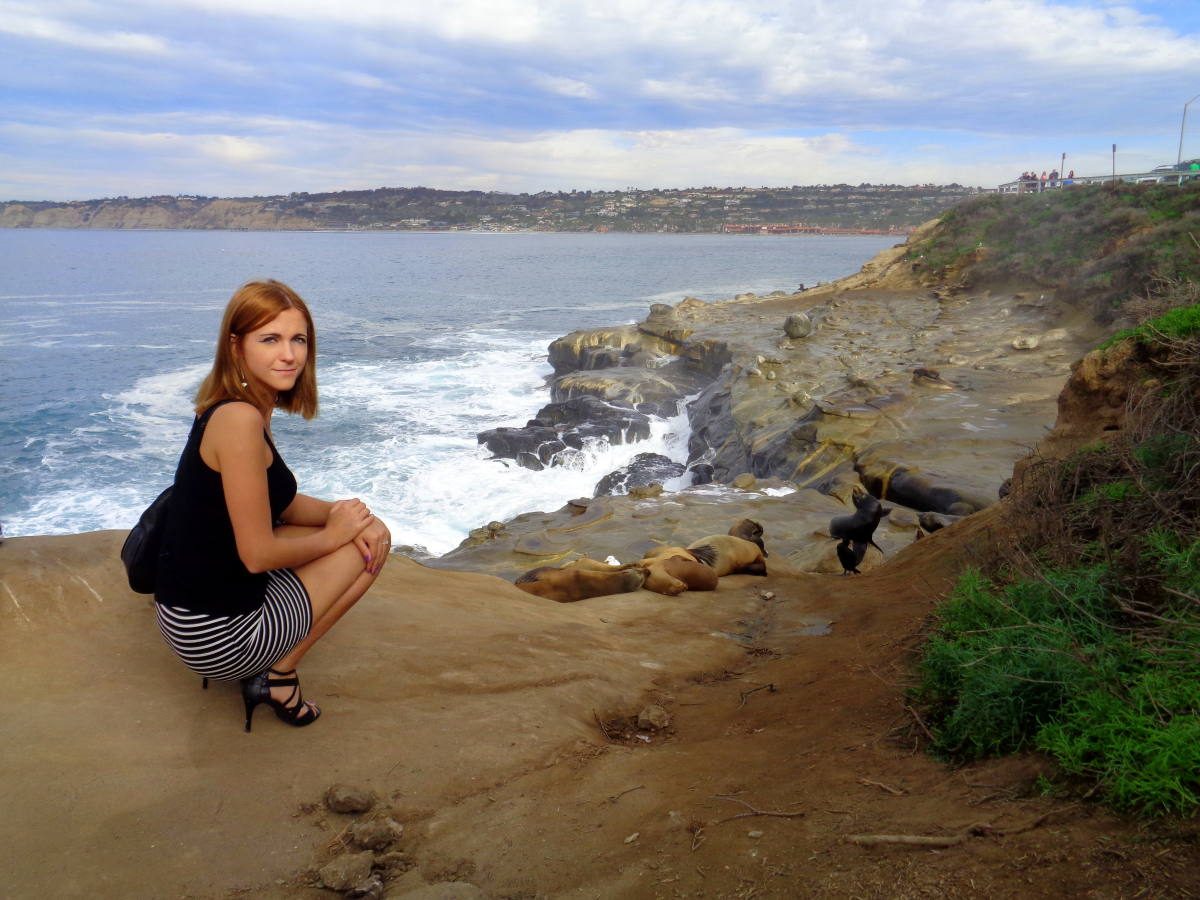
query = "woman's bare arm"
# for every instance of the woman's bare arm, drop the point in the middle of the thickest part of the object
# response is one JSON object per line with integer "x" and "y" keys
{"x": 233, "y": 444}
{"x": 305, "y": 510}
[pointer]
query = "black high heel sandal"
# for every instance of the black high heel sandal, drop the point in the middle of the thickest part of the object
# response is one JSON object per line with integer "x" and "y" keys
{"x": 293, "y": 710}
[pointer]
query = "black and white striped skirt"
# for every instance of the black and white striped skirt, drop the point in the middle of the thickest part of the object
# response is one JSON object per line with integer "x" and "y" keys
{"x": 232, "y": 647}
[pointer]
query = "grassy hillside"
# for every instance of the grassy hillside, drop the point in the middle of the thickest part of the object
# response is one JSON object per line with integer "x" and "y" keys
{"x": 1084, "y": 642}
{"x": 1095, "y": 244}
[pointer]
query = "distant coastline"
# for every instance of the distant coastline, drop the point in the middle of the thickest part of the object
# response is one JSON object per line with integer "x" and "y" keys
{"x": 819, "y": 209}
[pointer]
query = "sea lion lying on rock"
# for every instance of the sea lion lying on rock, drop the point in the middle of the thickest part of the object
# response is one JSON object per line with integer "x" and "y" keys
{"x": 933, "y": 521}
{"x": 673, "y": 570}
{"x": 749, "y": 530}
{"x": 580, "y": 580}
{"x": 730, "y": 555}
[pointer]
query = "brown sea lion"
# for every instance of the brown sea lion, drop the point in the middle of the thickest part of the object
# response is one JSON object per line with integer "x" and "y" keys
{"x": 673, "y": 570}
{"x": 730, "y": 555}
{"x": 580, "y": 580}
{"x": 751, "y": 531}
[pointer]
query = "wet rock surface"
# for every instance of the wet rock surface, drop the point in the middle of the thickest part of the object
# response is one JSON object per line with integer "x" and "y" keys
{"x": 643, "y": 470}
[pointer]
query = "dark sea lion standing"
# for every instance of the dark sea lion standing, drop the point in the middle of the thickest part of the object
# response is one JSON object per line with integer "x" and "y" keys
{"x": 850, "y": 555}
{"x": 857, "y": 531}
{"x": 860, "y": 527}
{"x": 729, "y": 555}
{"x": 580, "y": 580}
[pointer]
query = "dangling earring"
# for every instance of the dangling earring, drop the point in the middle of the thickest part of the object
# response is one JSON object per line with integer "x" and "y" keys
{"x": 241, "y": 376}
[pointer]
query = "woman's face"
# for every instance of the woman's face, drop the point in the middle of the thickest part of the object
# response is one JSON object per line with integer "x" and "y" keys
{"x": 274, "y": 355}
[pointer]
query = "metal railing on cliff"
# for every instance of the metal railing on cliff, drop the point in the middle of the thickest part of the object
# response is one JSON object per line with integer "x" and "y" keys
{"x": 1161, "y": 175}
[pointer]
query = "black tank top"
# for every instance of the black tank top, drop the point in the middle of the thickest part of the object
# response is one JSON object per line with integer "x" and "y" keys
{"x": 200, "y": 569}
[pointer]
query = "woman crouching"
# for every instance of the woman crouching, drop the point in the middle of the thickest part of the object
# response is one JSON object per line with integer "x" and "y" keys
{"x": 253, "y": 573}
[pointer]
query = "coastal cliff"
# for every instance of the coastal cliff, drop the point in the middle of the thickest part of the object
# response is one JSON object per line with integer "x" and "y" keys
{"x": 756, "y": 739}
{"x": 840, "y": 208}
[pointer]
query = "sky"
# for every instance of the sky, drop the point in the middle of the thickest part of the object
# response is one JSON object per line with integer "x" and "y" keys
{"x": 105, "y": 98}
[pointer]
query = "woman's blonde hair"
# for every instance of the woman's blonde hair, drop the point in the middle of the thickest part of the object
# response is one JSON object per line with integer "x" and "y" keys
{"x": 252, "y": 306}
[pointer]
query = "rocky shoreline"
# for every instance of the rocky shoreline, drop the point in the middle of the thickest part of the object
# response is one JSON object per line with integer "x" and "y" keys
{"x": 923, "y": 394}
{"x": 507, "y": 745}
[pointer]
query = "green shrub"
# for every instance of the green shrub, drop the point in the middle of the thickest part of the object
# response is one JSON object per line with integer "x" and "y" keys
{"x": 1049, "y": 663}
{"x": 1090, "y": 243}
{"x": 1175, "y": 324}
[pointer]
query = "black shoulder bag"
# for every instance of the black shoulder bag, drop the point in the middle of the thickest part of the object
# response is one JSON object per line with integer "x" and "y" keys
{"x": 141, "y": 549}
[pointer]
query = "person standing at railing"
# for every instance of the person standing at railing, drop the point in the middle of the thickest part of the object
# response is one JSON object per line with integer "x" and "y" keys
{"x": 1043, "y": 187}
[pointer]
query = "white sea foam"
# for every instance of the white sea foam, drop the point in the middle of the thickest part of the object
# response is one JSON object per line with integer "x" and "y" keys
{"x": 400, "y": 436}
{"x": 156, "y": 411}
{"x": 420, "y": 467}
{"x": 434, "y": 342}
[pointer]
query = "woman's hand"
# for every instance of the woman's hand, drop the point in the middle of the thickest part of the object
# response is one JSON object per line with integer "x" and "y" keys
{"x": 347, "y": 519}
{"x": 374, "y": 543}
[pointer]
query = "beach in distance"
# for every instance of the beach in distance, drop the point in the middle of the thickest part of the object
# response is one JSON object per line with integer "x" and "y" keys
{"x": 424, "y": 341}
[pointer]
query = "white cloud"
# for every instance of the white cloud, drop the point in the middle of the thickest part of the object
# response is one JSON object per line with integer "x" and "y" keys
{"x": 232, "y": 150}
{"x": 566, "y": 87}
{"x": 687, "y": 92}
{"x": 23, "y": 21}
{"x": 362, "y": 80}
{"x": 261, "y": 96}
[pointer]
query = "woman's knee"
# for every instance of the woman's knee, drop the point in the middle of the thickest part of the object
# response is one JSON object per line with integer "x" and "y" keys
{"x": 329, "y": 577}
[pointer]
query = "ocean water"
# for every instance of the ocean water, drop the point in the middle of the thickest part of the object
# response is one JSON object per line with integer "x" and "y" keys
{"x": 424, "y": 340}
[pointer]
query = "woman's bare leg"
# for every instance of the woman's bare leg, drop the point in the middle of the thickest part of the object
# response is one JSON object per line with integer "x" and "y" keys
{"x": 334, "y": 584}
{"x": 325, "y": 580}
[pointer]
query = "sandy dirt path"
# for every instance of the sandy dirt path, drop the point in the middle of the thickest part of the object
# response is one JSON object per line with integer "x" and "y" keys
{"x": 471, "y": 711}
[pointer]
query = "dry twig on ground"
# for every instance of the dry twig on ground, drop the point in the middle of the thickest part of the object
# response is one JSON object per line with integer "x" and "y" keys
{"x": 764, "y": 687}
{"x": 754, "y": 811}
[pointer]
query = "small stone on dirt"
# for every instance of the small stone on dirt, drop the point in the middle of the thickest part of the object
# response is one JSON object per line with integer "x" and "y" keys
{"x": 342, "y": 798}
{"x": 754, "y": 834}
{"x": 1025, "y": 343}
{"x": 347, "y": 871}
{"x": 653, "y": 717}
{"x": 633, "y": 837}
{"x": 393, "y": 861}
{"x": 376, "y": 834}
{"x": 371, "y": 888}
{"x": 797, "y": 325}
